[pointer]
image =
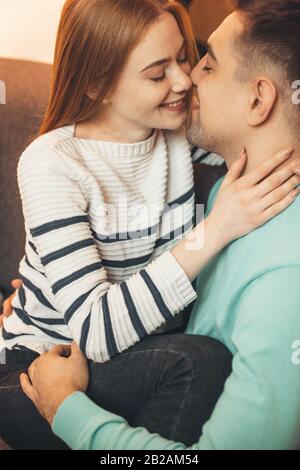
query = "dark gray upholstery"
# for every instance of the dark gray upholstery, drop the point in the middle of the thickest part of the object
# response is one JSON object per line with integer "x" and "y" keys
{"x": 27, "y": 88}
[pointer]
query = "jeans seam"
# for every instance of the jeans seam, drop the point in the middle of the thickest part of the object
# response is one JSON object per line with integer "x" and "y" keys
{"x": 9, "y": 386}
{"x": 188, "y": 381}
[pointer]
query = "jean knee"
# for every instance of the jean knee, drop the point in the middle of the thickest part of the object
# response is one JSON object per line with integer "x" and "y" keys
{"x": 201, "y": 351}
{"x": 211, "y": 359}
{"x": 192, "y": 351}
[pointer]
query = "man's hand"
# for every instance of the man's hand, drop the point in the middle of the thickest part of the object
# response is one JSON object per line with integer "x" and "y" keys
{"x": 53, "y": 377}
{"x": 7, "y": 304}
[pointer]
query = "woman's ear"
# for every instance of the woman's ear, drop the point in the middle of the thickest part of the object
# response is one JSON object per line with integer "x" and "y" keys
{"x": 92, "y": 93}
{"x": 263, "y": 98}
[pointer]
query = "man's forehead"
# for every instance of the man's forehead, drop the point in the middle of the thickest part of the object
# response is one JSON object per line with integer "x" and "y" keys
{"x": 223, "y": 37}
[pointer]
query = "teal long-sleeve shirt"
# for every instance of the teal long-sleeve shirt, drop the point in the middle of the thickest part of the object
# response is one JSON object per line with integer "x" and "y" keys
{"x": 249, "y": 299}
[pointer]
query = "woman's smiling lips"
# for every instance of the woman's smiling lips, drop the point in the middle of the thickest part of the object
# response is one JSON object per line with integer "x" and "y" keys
{"x": 176, "y": 106}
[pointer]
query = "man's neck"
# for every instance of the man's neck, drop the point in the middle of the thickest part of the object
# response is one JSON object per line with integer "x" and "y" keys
{"x": 265, "y": 143}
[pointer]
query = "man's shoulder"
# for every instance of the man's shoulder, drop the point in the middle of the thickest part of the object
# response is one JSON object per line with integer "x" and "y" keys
{"x": 284, "y": 227}
{"x": 273, "y": 246}
{"x": 213, "y": 194}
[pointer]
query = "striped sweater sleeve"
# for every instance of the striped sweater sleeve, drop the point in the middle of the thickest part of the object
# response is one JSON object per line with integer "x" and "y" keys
{"x": 104, "y": 319}
{"x": 202, "y": 156}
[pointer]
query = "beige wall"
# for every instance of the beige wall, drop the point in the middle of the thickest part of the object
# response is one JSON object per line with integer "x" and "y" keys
{"x": 28, "y": 28}
{"x": 206, "y": 16}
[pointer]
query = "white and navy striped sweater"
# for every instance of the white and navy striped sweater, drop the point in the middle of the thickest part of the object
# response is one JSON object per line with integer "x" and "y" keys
{"x": 98, "y": 267}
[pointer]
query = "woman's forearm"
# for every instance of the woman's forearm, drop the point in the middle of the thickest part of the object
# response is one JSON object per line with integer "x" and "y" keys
{"x": 195, "y": 251}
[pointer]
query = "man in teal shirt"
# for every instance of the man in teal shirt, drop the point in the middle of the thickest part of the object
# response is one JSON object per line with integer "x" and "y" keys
{"x": 250, "y": 295}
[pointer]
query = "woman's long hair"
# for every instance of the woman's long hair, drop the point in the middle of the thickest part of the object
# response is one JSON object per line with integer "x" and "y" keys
{"x": 94, "y": 40}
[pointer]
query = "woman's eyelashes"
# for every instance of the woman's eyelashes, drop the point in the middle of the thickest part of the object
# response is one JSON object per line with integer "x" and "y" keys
{"x": 160, "y": 79}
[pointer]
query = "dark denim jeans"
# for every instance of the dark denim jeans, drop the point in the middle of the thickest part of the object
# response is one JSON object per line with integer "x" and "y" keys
{"x": 168, "y": 384}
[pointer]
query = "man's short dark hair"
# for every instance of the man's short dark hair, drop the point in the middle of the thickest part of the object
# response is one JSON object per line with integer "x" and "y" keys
{"x": 271, "y": 38}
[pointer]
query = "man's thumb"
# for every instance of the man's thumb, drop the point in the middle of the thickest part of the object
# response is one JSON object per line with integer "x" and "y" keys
{"x": 75, "y": 349}
{"x": 62, "y": 350}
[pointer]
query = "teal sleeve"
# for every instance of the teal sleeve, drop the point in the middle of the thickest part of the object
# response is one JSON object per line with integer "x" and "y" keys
{"x": 85, "y": 426}
{"x": 260, "y": 405}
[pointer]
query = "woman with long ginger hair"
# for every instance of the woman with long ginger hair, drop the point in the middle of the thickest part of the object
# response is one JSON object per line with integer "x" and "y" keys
{"x": 112, "y": 244}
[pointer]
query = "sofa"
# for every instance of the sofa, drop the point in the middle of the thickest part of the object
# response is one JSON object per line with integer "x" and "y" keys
{"x": 27, "y": 85}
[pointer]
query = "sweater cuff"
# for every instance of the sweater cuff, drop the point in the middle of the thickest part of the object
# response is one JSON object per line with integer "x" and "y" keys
{"x": 175, "y": 280}
{"x": 74, "y": 416}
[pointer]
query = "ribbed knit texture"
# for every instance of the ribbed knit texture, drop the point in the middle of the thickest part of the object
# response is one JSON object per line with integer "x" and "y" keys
{"x": 98, "y": 267}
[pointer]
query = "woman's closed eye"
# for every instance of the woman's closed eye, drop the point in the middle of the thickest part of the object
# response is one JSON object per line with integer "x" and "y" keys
{"x": 159, "y": 79}
{"x": 162, "y": 77}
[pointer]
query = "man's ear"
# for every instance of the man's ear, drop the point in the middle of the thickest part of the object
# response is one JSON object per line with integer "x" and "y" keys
{"x": 262, "y": 101}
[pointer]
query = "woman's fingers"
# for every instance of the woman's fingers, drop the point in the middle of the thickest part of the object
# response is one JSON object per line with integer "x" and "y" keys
{"x": 280, "y": 192}
{"x": 265, "y": 168}
{"x": 26, "y": 386}
{"x": 7, "y": 305}
{"x": 276, "y": 209}
{"x": 235, "y": 170}
{"x": 16, "y": 283}
{"x": 276, "y": 180}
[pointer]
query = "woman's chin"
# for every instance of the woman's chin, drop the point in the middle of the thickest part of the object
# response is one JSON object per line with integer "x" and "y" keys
{"x": 173, "y": 123}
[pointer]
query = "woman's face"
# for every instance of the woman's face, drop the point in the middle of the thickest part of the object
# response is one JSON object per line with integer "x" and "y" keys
{"x": 141, "y": 99}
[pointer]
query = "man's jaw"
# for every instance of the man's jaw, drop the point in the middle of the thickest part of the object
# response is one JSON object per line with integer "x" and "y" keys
{"x": 196, "y": 136}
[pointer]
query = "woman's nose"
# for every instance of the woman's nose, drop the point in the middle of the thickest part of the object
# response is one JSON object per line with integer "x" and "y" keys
{"x": 182, "y": 81}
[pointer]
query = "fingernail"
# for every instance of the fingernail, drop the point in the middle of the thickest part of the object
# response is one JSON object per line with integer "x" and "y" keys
{"x": 287, "y": 153}
{"x": 243, "y": 151}
{"x": 295, "y": 193}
